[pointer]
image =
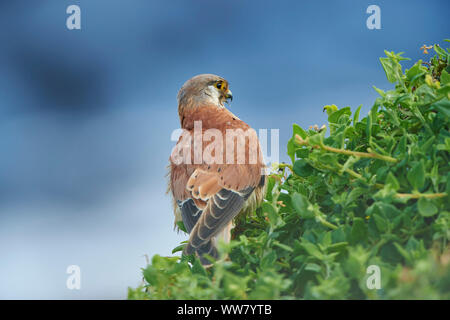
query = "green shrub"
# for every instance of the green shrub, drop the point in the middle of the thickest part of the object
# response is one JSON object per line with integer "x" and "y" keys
{"x": 372, "y": 192}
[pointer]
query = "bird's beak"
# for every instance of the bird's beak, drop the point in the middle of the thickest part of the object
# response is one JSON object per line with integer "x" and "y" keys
{"x": 229, "y": 96}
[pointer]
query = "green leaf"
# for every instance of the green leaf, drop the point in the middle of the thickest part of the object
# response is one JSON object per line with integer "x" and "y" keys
{"x": 329, "y": 158}
{"x": 445, "y": 77}
{"x": 441, "y": 52}
{"x": 390, "y": 69}
{"x": 181, "y": 226}
{"x": 403, "y": 252}
{"x": 415, "y": 72}
{"x": 354, "y": 195}
{"x": 301, "y": 206}
{"x": 426, "y": 207}
{"x": 151, "y": 275}
{"x": 302, "y": 168}
{"x": 312, "y": 249}
{"x": 369, "y": 125}
{"x": 330, "y": 108}
{"x": 380, "y": 92}
{"x": 197, "y": 268}
{"x": 313, "y": 267}
{"x": 356, "y": 115}
{"x": 416, "y": 176}
{"x": 392, "y": 181}
{"x": 179, "y": 248}
{"x": 316, "y": 139}
{"x": 335, "y": 116}
{"x": 268, "y": 260}
{"x": 271, "y": 213}
{"x": 387, "y": 210}
{"x": 359, "y": 230}
{"x": 380, "y": 222}
{"x": 296, "y": 129}
{"x": 283, "y": 246}
{"x": 442, "y": 106}
{"x": 401, "y": 147}
{"x": 291, "y": 147}
{"x": 338, "y": 235}
{"x": 337, "y": 247}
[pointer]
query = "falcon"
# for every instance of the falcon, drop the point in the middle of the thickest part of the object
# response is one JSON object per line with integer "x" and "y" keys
{"x": 214, "y": 174}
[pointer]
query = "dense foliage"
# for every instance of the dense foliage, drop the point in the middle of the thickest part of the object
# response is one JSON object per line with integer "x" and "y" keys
{"x": 359, "y": 192}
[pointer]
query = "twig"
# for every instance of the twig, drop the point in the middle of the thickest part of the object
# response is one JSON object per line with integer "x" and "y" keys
{"x": 373, "y": 155}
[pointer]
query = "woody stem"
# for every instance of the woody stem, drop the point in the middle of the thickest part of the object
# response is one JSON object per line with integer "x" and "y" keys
{"x": 322, "y": 146}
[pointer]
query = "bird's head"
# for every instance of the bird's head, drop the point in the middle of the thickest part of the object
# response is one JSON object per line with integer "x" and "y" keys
{"x": 204, "y": 89}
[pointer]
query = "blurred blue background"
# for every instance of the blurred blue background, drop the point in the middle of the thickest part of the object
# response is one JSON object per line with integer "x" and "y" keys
{"x": 86, "y": 116}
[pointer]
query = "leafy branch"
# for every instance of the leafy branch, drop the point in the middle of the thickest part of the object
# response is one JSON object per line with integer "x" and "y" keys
{"x": 305, "y": 142}
{"x": 324, "y": 221}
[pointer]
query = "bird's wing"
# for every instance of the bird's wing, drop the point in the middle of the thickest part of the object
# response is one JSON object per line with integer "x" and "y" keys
{"x": 189, "y": 207}
{"x": 224, "y": 188}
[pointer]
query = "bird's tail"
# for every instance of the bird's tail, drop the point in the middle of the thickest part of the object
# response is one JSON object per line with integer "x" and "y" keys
{"x": 208, "y": 249}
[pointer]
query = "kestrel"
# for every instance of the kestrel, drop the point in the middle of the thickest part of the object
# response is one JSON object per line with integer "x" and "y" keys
{"x": 212, "y": 181}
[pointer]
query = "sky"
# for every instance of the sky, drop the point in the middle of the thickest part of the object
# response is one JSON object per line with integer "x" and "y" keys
{"x": 86, "y": 116}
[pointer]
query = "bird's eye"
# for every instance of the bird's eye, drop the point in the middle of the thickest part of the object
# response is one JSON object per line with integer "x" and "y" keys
{"x": 219, "y": 85}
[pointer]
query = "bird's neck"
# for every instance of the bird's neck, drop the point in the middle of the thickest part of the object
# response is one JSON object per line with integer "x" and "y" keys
{"x": 210, "y": 117}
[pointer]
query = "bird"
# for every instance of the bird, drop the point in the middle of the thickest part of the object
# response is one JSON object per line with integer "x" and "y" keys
{"x": 213, "y": 181}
